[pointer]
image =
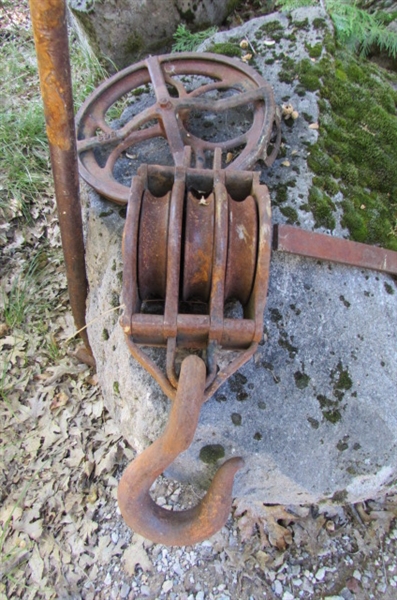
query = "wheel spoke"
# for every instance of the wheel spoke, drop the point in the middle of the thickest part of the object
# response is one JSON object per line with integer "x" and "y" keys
{"x": 134, "y": 138}
{"x": 223, "y": 104}
{"x": 117, "y": 135}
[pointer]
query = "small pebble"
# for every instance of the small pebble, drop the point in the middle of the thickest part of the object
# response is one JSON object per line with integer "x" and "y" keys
{"x": 167, "y": 586}
{"x": 288, "y": 596}
{"x": 277, "y": 587}
{"x": 320, "y": 574}
{"x": 125, "y": 590}
{"x": 108, "y": 579}
{"x": 357, "y": 575}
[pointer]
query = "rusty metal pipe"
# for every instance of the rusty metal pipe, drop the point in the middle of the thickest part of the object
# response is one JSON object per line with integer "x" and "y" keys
{"x": 51, "y": 41}
{"x": 140, "y": 512}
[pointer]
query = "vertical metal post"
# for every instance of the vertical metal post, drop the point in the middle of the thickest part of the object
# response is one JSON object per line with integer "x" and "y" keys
{"x": 51, "y": 40}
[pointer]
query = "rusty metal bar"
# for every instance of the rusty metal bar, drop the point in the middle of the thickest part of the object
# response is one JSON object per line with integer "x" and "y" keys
{"x": 140, "y": 512}
{"x": 50, "y": 36}
{"x": 293, "y": 240}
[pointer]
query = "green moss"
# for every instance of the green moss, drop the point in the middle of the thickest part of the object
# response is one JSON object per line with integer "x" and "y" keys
{"x": 116, "y": 387}
{"x": 356, "y": 152}
{"x": 333, "y": 416}
{"x": 330, "y": 409}
{"x": 309, "y": 75}
{"x": 288, "y": 70}
{"x": 313, "y": 422}
{"x": 301, "y": 380}
{"x": 212, "y": 453}
{"x": 319, "y": 23}
{"x": 343, "y": 380}
{"x": 105, "y": 335}
{"x": 225, "y": 48}
{"x": 273, "y": 30}
{"x": 290, "y": 213}
{"x": 304, "y": 24}
{"x": 281, "y": 193}
{"x": 314, "y": 51}
{"x": 236, "y": 419}
{"x": 322, "y": 208}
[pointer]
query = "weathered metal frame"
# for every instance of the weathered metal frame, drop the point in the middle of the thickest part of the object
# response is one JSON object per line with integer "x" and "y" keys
{"x": 172, "y": 329}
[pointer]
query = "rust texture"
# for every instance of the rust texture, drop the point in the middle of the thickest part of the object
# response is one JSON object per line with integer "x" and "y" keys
{"x": 50, "y": 35}
{"x": 325, "y": 247}
{"x": 167, "y": 116}
{"x": 139, "y": 511}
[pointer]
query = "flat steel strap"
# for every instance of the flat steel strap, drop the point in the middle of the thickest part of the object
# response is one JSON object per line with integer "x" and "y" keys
{"x": 294, "y": 240}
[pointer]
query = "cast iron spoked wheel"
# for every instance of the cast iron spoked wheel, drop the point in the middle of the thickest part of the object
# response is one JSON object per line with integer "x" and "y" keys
{"x": 221, "y": 85}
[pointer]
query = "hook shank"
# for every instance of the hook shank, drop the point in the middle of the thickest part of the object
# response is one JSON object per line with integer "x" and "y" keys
{"x": 139, "y": 511}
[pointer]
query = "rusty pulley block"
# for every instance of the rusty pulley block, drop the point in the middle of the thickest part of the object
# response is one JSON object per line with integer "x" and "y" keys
{"x": 198, "y": 234}
{"x": 213, "y": 238}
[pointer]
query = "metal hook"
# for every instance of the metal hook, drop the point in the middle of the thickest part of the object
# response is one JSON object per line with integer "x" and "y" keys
{"x": 141, "y": 513}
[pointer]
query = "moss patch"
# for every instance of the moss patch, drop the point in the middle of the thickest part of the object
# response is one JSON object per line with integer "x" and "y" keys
{"x": 357, "y": 147}
{"x": 273, "y": 30}
{"x": 212, "y": 453}
{"x": 225, "y": 48}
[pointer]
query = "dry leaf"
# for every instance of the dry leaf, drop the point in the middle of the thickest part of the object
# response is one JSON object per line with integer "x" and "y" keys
{"x": 59, "y": 401}
{"x": 286, "y": 163}
{"x": 271, "y": 521}
{"x": 314, "y": 126}
{"x": 36, "y": 565}
{"x": 136, "y": 555}
{"x": 3, "y": 329}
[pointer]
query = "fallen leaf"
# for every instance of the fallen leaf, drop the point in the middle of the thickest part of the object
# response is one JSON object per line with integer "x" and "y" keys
{"x": 314, "y": 126}
{"x": 272, "y": 522}
{"x": 136, "y": 555}
{"x": 59, "y": 401}
{"x": 36, "y": 565}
